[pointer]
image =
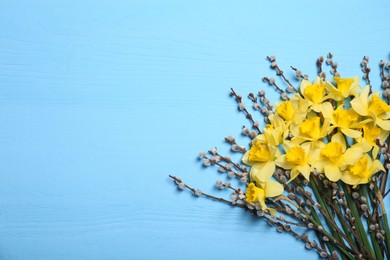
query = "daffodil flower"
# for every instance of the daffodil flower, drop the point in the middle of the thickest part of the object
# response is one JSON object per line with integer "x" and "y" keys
{"x": 293, "y": 110}
{"x": 298, "y": 159}
{"x": 361, "y": 171}
{"x": 314, "y": 93}
{"x": 335, "y": 157}
{"x": 267, "y": 189}
{"x": 343, "y": 119}
{"x": 345, "y": 87}
{"x": 310, "y": 130}
{"x": 368, "y": 140}
{"x": 277, "y": 131}
{"x": 373, "y": 107}
{"x": 261, "y": 159}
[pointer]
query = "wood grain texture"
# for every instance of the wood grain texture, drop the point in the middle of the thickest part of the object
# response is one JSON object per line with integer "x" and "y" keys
{"x": 101, "y": 100}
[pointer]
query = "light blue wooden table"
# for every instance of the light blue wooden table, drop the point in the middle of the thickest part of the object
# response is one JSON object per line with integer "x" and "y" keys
{"x": 100, "y": 101}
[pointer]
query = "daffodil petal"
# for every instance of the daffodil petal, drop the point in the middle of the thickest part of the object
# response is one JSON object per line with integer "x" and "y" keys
{"x": 273, "y": 189}
{"x": 260, "y": 138}
{"x": 282, "y": 162}
{"x": 360, "y": 103}
{"x": 383, "y": 135}
{"x": 384, "y": 124}
{"x": 261, "y": 198}
{"x": 361, "y": 123}
{"x": 358, "y": 106}
{"x": 245, "y": 159}
{"x": 314, "y": 154}
{"x": 349, "y": 178}
{"x": 319, "y": 165}
{"x": 327, "y": 110}
{"x": 351, "y": 132}
{"x": 350, "y": 156}
{"x": 378, "y": 166}
{"x": 304, "y": 170}
{"x": 304, "y": 84}
{"x": 318, "y": 80}
{"x": 333, "y": 172}
{"x": 364, "y": 145}
{"x": 317, "y": 107}
{"x": 375, "y": 151}
{"x": 385, "y": 115}
{"x": 293, "y": 174}
{"x": 299, "y": 140}
{"x": 261, "y": 172}
{"x": 355, "y": 86}
{"x": 339, "y": 138}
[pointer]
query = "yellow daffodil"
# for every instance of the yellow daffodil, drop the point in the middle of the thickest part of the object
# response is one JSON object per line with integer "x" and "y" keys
{"x": 277, "y": 131}
{"x": 314, "y": 93}
{"x": 343, "y": 119}
{"x": 335, "y": 157}
{"x": 345, "y": 87}
{"x": 361, "y": 171}
{"x": 298, "y": 159}
{"x": 368, "y": 140}
{"x": 261, "y": 159}
{"x": 267, "y": 189}
{"x": 293, "y": 110}
{"x": 310, "y": 130}
{"x": 372, "y": 106}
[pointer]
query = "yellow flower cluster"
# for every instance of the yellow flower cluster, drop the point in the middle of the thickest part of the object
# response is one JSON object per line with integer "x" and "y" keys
{"x": 330, "y": 128}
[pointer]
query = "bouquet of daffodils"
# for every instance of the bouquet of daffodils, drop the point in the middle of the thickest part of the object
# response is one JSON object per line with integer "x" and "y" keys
{"x": 318, "y": 170}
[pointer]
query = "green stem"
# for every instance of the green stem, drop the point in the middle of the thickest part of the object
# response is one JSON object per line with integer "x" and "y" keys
{"x": 387, "y": 232}
{"x": 385, "y": 222}
{"x": 344, "y": 224}
{"x": 328, "y": 217}
{"x": 358, "y": 223}
{"x": 343, "y": 249}
{"x": 320, "y": 200}
{"x": 377, "y": 248}
{"x": 316, "y": 218}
